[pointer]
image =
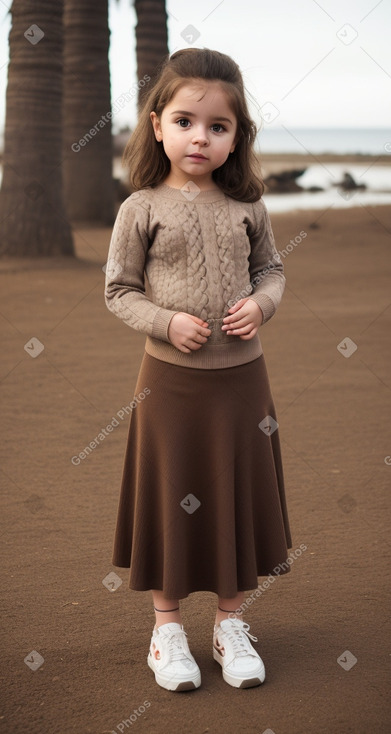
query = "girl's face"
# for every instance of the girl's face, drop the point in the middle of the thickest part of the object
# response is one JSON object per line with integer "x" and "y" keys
{"x": 198, "y": 130}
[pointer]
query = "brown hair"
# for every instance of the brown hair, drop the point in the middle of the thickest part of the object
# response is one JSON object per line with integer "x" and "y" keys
{"x": 240, "y": 175}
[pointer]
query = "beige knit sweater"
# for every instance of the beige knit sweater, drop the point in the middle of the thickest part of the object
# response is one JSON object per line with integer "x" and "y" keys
{"x": 198, "y": 253}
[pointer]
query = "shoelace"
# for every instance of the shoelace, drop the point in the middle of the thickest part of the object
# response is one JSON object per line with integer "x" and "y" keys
{"x": 175, "y": 645}
{"x": 235, "y": 637}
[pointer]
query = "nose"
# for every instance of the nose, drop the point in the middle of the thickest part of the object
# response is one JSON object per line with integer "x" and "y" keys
{"x": 200, "y": 136}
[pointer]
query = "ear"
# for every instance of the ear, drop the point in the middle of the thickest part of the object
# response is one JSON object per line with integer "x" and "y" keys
{"x": 156, "y": 126}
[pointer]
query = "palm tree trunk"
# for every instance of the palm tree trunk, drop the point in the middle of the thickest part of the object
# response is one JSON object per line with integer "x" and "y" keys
{"x": 151, "y": 40}
{"x": 32, "y": 213}
{"x": 88, "y": 154}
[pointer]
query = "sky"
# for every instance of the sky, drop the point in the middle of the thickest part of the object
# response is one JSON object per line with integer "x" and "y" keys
{"x": 306, "y": 63}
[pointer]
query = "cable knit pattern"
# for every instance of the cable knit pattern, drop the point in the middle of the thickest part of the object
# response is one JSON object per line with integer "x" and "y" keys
{"x": 197, "y": 282}
{"x": 225, "y": 248}
{"x": 197, "y": 254}
{"x": 167, "y": 276}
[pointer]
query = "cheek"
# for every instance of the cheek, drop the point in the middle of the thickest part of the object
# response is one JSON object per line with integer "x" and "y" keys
{"x": 223, "y": 149}
{"x": 169, "y": 146}
{"x": 174, "y": 143}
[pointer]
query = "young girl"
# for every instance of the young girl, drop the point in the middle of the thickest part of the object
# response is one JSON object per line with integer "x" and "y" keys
{"x": 202, "y": 503}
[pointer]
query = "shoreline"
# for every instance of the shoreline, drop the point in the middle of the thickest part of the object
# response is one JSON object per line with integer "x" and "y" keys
{"x": 277, "y": 162}
{"x": 291, "y": 159}
{"x": 382, "y": 158}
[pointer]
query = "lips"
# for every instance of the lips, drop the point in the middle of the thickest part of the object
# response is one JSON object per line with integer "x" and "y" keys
{"x": 198, "y": 156}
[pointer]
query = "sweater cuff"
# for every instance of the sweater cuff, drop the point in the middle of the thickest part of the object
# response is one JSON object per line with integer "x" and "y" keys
{"x": 161, "y": 323}
{"x": 266, "y": 305}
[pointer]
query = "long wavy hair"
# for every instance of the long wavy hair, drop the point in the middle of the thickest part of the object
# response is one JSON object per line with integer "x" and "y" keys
{"x": 240, "y": 176}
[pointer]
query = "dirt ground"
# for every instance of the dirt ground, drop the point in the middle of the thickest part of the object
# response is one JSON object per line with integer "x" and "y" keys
{"x": 322, "y": 629}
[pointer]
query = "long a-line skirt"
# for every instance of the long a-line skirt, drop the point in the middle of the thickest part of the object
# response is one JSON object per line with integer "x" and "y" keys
{"x": 202, "y": 504}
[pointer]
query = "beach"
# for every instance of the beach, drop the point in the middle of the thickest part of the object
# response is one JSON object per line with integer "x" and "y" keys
{"x": 69, "y": 366}
{"x": 276, "y": 161}
{"x": 324, "y": 172}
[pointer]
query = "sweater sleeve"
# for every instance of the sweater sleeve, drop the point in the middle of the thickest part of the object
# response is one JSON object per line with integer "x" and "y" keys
{"x": 266, "y": 268}
{"x": 124, "y": 283}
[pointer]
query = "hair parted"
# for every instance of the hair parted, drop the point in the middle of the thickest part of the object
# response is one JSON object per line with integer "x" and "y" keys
{"x": 240, "y": 176}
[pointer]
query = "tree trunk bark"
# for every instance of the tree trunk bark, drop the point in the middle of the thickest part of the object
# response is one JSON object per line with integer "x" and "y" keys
{"x": 32, "y": 213}
{"x": 87, "y": 151}
{"x": 151, "y": 40}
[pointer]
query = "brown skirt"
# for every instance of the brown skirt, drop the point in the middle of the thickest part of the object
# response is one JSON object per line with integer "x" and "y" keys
{"x": 202, "y": 502}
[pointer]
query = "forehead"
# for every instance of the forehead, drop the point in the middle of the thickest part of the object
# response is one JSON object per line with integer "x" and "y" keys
{"x": 200, "y": 92}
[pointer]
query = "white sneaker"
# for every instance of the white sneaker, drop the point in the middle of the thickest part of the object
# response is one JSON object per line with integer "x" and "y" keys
{"x": 241, "y": 664}
{"x": 171, "y": 660}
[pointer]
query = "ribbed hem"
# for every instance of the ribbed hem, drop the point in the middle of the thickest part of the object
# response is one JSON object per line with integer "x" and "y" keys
{"x": 161, "y": 323}
{"x": 209, "y": 357}
{"x": 266, "y": 304}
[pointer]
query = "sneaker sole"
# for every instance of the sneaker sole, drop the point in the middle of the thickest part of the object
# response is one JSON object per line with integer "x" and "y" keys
{"x": 170, "y": 685}
{"x": 238, "y": 682}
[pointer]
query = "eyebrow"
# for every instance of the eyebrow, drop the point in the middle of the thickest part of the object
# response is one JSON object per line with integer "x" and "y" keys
{"x": 191, "y": 114}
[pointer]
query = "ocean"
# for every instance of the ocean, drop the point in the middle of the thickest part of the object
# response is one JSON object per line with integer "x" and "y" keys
{"x": 361, "y": 141}
{"x": 342, "y": 141}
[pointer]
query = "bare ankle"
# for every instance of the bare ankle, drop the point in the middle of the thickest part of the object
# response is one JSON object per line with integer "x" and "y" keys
{"x": 232, "y": 615}
{"x": 167, "y": 619}
{"x": 229, "y": 610}
{"x": 167, "y": 612}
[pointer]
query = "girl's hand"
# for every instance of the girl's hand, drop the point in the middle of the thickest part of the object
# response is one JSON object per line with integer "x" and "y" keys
{"x": 187, "y": 332}
{"x": 246, "y": 317}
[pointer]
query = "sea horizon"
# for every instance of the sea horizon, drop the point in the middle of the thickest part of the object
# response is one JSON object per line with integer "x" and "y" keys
{"x": 325, "y": 140}
{"x": 317, "y": 140}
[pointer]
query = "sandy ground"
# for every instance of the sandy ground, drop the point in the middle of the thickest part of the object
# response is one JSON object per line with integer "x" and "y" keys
{"x": 58, "y": 518}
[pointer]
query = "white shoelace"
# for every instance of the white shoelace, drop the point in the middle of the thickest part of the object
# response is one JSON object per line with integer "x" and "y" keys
{"x": 236, "y": 639}
{"x": 175, "y": 645}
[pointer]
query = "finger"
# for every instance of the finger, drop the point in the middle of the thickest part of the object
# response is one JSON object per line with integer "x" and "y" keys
{"x": 244, "y": 321}
{"x": 192, "y": 333}
{"x": 236, "y": 317}
{"x": 236, "y": 306}
{"x": 232, "y": 315}
{"x": 197, "y": 320}
{"x": 248, "y": 336}
{"x": 200, "y": 333}
{"x": 241, "y": 330}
